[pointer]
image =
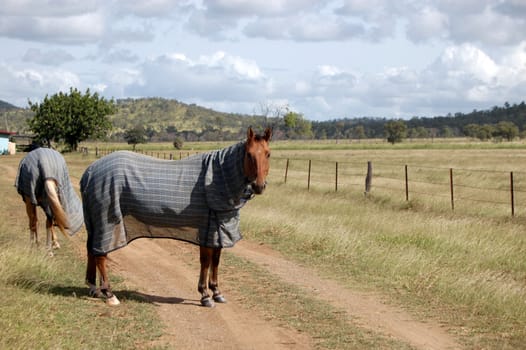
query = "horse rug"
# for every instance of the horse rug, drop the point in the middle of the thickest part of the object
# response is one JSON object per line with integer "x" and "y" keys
{"x": 128, "y": 196}
{"x": 42, "y": 164}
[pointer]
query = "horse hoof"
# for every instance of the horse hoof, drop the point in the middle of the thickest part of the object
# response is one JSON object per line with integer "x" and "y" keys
{"x": 207, "y": 302}
{"x": 113, "y": 301}
{"x": 219, "y": 298}
{"x": 95, "y": 293}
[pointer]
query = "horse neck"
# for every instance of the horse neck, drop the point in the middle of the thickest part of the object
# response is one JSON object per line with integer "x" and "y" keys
{"x": 232, "y": 168}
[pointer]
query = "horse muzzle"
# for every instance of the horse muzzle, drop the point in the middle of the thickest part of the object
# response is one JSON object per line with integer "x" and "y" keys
{"x": 258, "y": 188}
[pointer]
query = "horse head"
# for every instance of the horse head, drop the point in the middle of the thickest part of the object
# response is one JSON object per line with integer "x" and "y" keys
{"x": 256, "y": 162}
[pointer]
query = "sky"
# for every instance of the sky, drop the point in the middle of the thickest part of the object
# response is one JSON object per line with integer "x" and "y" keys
{"x": 324, "y": 59}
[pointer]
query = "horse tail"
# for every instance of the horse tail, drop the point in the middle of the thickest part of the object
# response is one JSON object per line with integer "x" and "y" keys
{"x": 59, "y": 215}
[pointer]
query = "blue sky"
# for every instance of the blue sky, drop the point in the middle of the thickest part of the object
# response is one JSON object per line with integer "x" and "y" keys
{"x": 324, "y": 59}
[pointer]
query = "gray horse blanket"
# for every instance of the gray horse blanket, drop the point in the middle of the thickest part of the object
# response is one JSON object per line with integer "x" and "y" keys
{"x": 42, "y": 164}
{"x": 128, "y": 196}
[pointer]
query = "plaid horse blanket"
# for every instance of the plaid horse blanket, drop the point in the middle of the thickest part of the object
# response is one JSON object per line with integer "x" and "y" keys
{"x": 42, "y": 164}
{"x": 128, "y": 196}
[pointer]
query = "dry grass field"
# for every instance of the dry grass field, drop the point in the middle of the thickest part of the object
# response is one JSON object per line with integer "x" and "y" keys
{"x": 463, "y": 269}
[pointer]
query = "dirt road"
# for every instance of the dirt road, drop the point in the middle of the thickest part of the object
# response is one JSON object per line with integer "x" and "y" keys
{"x": 171, "y": 285}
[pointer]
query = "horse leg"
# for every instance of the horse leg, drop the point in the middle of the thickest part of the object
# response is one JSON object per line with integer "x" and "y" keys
{"x": 91, "y": 277}
{"x": 213, "y": 282}
{"x": 51, "y": 234}
{"x": 205, "y": 257}
{"x": 31, "y": 210}
{"x": 56, "y": 244}
{"x": 51, "y": 238}
{"x": 105, "y": 288}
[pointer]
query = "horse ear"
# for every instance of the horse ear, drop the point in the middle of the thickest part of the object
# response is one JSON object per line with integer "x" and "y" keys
{"x": 268, "y": 134}
{"x": 250, "y": 133}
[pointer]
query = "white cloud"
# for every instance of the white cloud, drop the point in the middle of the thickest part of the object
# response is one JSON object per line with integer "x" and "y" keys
{"x": 210, "y": 78}
{"x": 467, "y": 59}
{"x": 17, "y": 86}
{"x": 48, "y": 8}
{"x": 427, "y": 24}
{"x": 82, "y": 28}
{"x": 258, "y": 7}
{"x": 51, "y": 57}
{"x": 327, "y": 59}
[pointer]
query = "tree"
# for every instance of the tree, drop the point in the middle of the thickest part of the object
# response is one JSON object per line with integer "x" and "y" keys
{"x": 178, "y": 143}
{"x": 395, "y": 131}
{"x": 71, "y": 118}
{"x": 297, "y": 126}
{"x": 507, "y": 130}
{"x": 135, "y": 136}
{"x": 358, "y": 132}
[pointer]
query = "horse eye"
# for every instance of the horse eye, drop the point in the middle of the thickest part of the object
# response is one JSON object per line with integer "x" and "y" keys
{"x": 268, "y": 155}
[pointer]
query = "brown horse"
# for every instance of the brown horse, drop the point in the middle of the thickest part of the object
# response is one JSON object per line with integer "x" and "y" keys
{"x": 43, "y": 180}
{"x": 127, "y": 196}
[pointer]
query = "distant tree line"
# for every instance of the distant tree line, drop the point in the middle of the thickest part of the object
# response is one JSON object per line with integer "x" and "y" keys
{"x": 502, "y": 123}
{"x": 76, "y": 116}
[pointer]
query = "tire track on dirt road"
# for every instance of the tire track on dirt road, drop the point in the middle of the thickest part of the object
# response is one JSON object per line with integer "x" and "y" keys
{"x": 156, "y": 270}
{"x": 368, "y": 309}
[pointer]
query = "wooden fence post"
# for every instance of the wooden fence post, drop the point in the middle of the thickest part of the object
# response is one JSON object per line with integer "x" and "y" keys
{"x": 286, "y": 170}
{"x": 308, "y": 181}
{"x": 368, "y": 177}
{"x": 336, "y": 179}
{"x": 512, "y": 195}
{"x": 406, "y": 185}
{"x": 451, "y": 188}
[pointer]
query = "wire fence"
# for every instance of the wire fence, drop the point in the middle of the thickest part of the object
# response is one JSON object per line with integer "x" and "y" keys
{"x": 495, "y": 193}
{"x": 484, "y": 191}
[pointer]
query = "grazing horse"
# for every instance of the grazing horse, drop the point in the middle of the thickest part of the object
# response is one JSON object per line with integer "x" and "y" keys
{"x": 128, "y": 196}
{"x": 43, "y": 180}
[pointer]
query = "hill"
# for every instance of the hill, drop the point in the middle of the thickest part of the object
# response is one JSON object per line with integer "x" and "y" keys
{"x": 165, "y": 119}
{"x": 161, "y": 118}
{"x": 13, "y": 118}
{"x": 4, "y": 106}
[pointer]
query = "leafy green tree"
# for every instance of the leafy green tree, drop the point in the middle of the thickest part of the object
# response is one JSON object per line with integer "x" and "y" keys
{"x": 71, "y": 118}
{"x": 291, "y": 119}
{"x": 358, "y": 132}
{"x": 507, "y": 130}
{"x": 485, "y": 132}
{"x": 135, "y": 136}
{"x": 447, "y": 132}
{"x": 395, "y": 131}
{"x": 297, "y": 126}
{"x": 418, "y": 132}
{"x": 471, "y": 130}
{"x": 178, "y": 143}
